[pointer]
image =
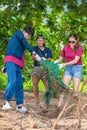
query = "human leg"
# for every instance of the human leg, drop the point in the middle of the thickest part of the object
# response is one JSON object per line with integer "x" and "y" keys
{"x": 76, "y": 82}
{"x": 35, "y": 81}
{"x": 19, "y": 94}
{"x": 45, "y": 83}
{"x": 66, "y": 81}
{"x": 77, "y": 75}
{"x": 10, "y": 89}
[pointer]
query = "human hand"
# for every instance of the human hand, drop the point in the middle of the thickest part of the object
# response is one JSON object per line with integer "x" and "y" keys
{"x": 56, "y": 61}
{"x": 43, "y": 58}
{"x": 37, "y": 57}
{"x": 61, "y": 65}
{"x": 33, "y": 53}
{"x": 3, "y": 70}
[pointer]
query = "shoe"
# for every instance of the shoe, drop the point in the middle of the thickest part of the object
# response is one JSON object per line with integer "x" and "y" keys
{"x": 6, "y": 106}
{"x": 21, "y": 109}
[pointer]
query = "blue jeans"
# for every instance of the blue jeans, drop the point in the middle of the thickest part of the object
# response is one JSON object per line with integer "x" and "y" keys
{"x": 15, "y": 83}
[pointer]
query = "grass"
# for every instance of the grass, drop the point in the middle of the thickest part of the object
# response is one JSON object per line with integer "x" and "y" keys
{"x": 28, "y": 84}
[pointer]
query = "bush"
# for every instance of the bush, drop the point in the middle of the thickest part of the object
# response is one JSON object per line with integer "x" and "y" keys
{"x": 27, "y": 84}
{"x": 3, "y": 81}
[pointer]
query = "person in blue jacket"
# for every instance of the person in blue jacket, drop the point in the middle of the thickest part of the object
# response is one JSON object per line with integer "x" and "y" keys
{"x": 14, "y": 62}
{"x": 44, "y": 53}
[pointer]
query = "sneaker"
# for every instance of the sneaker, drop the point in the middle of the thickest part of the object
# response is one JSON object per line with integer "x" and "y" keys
{"x": 6, "y": 106}
{"x": 21, "y": 109}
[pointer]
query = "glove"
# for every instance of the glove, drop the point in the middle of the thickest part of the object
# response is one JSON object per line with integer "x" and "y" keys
{"x": 61, "y": 66}
{"x": 56, "y": 61}
{"x": 37, "y": 57}
{"x": 33, "y": 53}
{"x": 43, "y": 58}
{"x": 4, "y": 70}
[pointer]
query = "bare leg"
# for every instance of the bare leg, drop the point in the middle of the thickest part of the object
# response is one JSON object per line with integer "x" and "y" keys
{"x": 66, "y": 81}
{"x": 76, "y": 82}
{"x": 45, "y": 83}
{"x": 35, "y": 81}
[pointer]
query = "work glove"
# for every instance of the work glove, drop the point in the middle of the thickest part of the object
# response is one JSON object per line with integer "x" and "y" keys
{"x": 56, "y": 61}
{"x": 61, "y": 65}
{"x": 38, "y": 58}
{"x": 33, "y": 53}
{"x": 4, "y": 70}
{"x": 43, "y": 58}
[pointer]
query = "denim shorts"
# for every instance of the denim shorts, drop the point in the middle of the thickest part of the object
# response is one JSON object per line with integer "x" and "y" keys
{"x": 74, "y": 71}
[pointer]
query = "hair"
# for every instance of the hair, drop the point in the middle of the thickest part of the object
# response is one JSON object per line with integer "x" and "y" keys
{"x": 76, "y": 38}
{"x": 40, "y": 36}
{"x": 29, "y": 30}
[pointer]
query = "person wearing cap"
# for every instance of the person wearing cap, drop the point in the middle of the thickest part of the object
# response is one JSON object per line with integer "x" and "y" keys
{"x": 14, "y": 62}
{"x": 38, "y": 73}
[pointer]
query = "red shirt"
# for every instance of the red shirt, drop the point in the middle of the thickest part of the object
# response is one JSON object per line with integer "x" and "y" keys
{"x": 69, "y": 54}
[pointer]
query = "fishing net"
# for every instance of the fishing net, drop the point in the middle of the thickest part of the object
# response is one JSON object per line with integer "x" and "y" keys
{"x": 53, "y": 78}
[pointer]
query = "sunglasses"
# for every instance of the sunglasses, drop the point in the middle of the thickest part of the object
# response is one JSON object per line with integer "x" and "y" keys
{"x": 72, "y": 42}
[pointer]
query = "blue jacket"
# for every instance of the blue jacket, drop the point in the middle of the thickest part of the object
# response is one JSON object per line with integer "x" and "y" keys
{"x": 17, "y": 45}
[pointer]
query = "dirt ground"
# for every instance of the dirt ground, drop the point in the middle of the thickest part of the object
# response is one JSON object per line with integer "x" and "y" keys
{"x": 72, "y": 116}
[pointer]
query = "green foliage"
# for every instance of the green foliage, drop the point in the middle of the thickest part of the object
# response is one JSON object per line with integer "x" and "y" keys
{"x": 3, "y": 81}
{"x": 55, "y": 19}
{"x": 27, "y": 83}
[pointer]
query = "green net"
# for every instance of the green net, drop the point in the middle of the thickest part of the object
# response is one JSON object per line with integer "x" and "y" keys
{"x": 52, "y": 75}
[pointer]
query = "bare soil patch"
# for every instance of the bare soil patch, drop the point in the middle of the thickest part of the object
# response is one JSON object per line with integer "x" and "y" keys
{"x": 71, "y": 116}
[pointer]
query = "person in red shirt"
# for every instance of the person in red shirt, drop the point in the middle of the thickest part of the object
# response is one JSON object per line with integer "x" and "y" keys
{"x": 73, "y": 66}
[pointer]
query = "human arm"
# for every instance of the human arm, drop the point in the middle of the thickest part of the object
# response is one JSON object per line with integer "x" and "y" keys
{"x": 75, "y": 56}
{"x": 19, "y": 35}
{"x": 69, "y": 63}
{"x": 48, "y": 59}
{"x": 46, "y": 54}
{"x": 59, "y": 60}
{"x": 73, "y": 61}
{"x": 61, "y": 56}
{"x": 36, "y": 57}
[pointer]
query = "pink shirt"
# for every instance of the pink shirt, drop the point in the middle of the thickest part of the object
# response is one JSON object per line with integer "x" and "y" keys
{"x": 15, "y": 60}
{"x": 69, "y": 54}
